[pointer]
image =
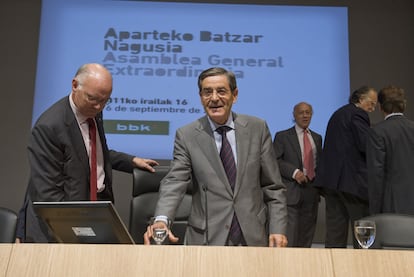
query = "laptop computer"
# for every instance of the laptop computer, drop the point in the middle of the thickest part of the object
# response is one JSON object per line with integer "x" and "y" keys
{"x": 84, "y": 222}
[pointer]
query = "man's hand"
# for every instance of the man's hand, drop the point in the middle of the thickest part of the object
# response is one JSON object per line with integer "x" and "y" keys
{"x": 301, "y": 178}
{"x": 146, "y": 164}
{"x": 159, "y": 224}
{"x": 277, "y": 240}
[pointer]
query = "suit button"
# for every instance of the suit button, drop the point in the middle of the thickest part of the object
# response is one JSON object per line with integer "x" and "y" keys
{"x": 227, "y": 227}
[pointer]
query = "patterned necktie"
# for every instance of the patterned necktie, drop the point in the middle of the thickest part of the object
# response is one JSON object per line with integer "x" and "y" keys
{"x": 308, "y": 160}
{"x": 226, "y": 155}
{"x": 227, "y": 158}
{"x": 93, "y": 171}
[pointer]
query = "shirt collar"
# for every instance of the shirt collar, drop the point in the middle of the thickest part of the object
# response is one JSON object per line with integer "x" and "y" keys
{"x": 79, "y": 117}
{"x": 299, "y": 129}
{"x": 393, "y": 114}
{"x": 229, "y": 123}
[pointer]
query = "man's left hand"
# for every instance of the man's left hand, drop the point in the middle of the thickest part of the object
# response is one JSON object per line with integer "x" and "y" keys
{"x": 146, "y": 164}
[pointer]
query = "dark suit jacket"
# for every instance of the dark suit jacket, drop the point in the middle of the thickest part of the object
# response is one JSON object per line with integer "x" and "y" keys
{"x": 390, "y": 159}
{"x": 343, "y": 163}
{"x": 60, "y": 166}
{"x": 259, "y": 196}
{"x": 289, "y": 158}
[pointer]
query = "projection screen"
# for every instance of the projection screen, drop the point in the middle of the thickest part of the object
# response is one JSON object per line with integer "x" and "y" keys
{"x": 281, "y": 55}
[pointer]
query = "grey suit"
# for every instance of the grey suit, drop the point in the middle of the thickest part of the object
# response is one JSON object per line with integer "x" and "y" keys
{"x": 259, "y": 196}
{"x": 390, "y": 160}
{"x": 302, "y": 200}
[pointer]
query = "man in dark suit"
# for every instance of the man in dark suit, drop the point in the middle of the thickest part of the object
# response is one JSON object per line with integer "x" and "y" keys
{"x": 59, "y": 151}
{"x": 302, "y": 196}
{"x": 390, "y": 157}
{"x": 242, "y": 204}
{"x": 342, "y": 171}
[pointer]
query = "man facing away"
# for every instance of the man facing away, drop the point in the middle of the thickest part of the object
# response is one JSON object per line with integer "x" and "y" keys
{"x": 390, "y": 156}
{"x": 239, "y": 198}
{"x": 342, "y": 171}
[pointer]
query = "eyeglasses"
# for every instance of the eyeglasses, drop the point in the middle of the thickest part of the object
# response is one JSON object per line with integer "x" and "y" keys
{"x": 208, "y": 92}
{"x": 95, "y": 100}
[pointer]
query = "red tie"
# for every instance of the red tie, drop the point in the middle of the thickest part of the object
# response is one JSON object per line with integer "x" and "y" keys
{"x": 93, "y": 172}
{"x": 308, "y": 162}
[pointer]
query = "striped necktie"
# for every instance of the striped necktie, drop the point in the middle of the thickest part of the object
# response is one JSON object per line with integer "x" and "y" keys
{"x": 227, "y": 158}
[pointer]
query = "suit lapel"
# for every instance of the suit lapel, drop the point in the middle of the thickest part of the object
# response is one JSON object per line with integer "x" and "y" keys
{"x": 243, "y": 138}
{"x": 100, "y": 126}
{"x": 318, "y": 143}
{"x": 75, "y": 135}
{"x": 294, "y": 140}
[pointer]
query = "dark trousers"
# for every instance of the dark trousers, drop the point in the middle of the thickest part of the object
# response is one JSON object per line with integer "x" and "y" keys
{"x": 302, "y": 218}
{"x": 342, "y": 209}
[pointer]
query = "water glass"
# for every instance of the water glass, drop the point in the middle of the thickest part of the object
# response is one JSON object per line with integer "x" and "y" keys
{"x": 364, "y": 231}
{"x": 159, "y": 234}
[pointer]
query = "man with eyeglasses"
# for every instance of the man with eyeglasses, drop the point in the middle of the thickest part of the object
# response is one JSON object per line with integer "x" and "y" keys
{"x": 228, "y": 159}
{"x": 64, "y": 163}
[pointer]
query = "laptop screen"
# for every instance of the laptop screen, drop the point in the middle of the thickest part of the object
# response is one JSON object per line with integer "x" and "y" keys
{"x": 84, "y": 222}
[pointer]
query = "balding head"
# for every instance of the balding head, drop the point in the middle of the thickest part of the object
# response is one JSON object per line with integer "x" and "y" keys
{"x": 91, "y": 88}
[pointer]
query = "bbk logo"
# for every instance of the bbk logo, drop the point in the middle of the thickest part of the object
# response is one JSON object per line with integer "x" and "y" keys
{"x": 133, "y": 128}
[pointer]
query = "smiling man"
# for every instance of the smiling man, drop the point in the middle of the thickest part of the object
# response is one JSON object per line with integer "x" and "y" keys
{"x": 228, "y": 160}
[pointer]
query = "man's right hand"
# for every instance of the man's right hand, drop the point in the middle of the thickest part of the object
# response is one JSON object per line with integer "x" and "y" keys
{"x": 158, "y": 224}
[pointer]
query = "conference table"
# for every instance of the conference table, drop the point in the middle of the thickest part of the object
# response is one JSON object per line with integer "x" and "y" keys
{"x": 172, "y": 260}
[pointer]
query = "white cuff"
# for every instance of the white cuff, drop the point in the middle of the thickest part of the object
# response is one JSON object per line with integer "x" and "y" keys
{"x": 162, "y": 218}
{"x": 294, "y": 173}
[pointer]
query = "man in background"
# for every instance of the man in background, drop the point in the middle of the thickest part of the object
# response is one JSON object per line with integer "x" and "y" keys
{"x": 228, "y": 159}
{"x": 68, "y": 155}
{"x": 390, "y": 156}
{"x": 297, "y": 150}
{"x": 342, "y": 171}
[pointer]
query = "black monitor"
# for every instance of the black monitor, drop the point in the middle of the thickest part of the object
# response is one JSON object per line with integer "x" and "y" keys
{"x": 84, "y": 222}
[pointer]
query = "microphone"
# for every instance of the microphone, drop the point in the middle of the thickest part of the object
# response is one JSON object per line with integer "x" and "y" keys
{"x": 206, "y": 215}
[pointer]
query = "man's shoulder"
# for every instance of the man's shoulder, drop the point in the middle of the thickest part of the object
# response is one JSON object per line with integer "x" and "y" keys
{"x": 394, "y": 121}
{"x": 286, "y": 132}
{"x": 241, "y": 119}
{"x": 198, "y": 124}
{"x": 346, "y": 109}
{"x": 245, "y": 119}
{"x": 315, "y": 133}
{"x": 347, "y": 113}
{"x": 55, "y": 113}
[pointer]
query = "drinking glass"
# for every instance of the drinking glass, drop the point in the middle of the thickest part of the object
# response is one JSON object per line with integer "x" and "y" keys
{"x": 159, "y": 234}
{"x": 364, "y": 231}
